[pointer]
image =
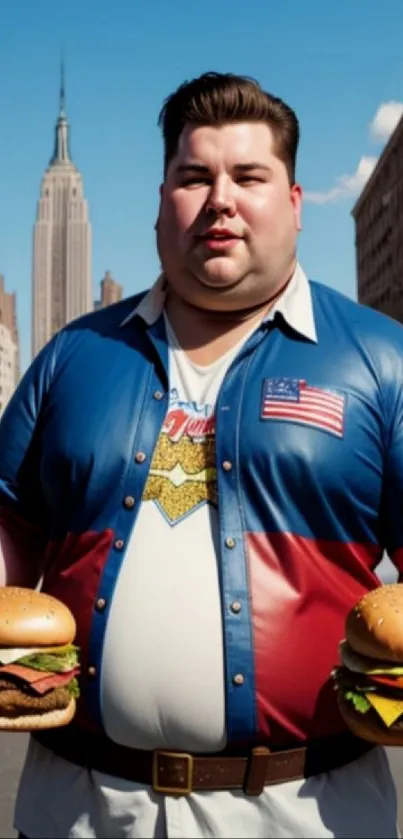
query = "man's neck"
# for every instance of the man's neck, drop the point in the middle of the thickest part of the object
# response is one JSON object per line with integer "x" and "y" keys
{"x": 207, "y": 335}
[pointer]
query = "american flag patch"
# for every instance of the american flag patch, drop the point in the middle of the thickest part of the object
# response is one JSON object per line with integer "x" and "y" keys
{"x": 294, "y": 400}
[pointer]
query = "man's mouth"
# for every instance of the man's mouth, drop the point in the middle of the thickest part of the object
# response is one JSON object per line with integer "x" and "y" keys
{"x": 220, "y": 239}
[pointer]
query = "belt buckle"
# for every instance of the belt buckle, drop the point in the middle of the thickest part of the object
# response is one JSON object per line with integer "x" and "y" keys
{"x": 157, "y": 770}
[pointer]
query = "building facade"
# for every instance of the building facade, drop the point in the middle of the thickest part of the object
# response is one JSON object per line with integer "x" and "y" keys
{"x": 378, "y": 216}
{"x": 9, "y": 345}
{"x": 62, "y": 246}
{"x": 111, "y": 291}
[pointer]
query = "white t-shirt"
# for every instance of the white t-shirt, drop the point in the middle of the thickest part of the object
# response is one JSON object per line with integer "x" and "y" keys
{"x": 164, "y": 630}
{"x": 172, "y": 694}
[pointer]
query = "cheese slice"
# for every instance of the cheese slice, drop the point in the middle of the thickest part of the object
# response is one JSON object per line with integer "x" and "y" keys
{"x": 388, "y": 709}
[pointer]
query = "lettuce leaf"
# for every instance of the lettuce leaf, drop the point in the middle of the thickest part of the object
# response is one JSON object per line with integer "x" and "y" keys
{"x": 54, "y": 662}
{"x": 73, "y": 688}
{"x": 359, "y": 701}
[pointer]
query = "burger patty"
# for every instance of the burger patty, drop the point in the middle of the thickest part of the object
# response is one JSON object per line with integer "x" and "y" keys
{"x": 14, "y": 701}
{"x": 8, "y": 684}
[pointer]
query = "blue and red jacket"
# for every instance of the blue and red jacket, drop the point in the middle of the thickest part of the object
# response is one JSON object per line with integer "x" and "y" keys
{"x": 314, "y": 434}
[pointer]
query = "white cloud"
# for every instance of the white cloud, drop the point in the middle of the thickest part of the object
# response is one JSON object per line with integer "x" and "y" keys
{"x": 385, "y": 121}
{"x": 349, "y": 186}
{"x": 346, "y": 186}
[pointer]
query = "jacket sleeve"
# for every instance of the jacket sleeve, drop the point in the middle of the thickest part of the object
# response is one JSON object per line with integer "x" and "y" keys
{"x": 391, "y": 518}
{"x": 23, "y": 514}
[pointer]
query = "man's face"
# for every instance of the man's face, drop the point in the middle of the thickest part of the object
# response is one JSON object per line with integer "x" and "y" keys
{"x": 229, "y": 219}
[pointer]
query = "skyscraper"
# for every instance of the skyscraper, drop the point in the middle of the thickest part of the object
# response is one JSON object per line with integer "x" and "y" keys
{"x": 378, "y": 216}
{"x": 9, "y": 345}
{"x": 62, "y": 281}
{"x": 111, "y": 291}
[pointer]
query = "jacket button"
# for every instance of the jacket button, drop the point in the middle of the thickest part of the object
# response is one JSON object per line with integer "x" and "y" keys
{"x": 101, "y": 603}
{"x": 158, "y": 395}
{"x": 129, "y": 502}
{"x": 236, "y": 607}
{"x": 119, "y": 544}
{"x": 140, "y": 457}
{"x": 230, "y": 542}
{"x": 227, "y": 466}
{"x": 238, "y": 679}
{"x": 92, "y": 671}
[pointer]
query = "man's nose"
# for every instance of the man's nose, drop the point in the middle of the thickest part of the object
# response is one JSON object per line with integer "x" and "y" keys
{"x": 221, "y": 199}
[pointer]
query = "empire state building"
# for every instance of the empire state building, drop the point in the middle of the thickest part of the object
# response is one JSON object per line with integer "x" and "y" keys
{"x": 62, "y": 273}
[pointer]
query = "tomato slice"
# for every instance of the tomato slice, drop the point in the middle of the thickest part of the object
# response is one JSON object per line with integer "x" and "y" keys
{"x": 390, "y": 681}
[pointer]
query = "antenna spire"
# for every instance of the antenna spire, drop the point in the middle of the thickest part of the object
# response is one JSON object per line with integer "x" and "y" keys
{"x": 62, "y": 86}
{"x": 61, "y": 152}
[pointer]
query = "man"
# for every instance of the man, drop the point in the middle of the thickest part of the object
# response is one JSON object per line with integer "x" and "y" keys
{"x": 208, "y": 474}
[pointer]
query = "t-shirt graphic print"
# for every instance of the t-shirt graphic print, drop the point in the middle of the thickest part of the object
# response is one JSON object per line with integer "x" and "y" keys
{"x": 183, "y": 476}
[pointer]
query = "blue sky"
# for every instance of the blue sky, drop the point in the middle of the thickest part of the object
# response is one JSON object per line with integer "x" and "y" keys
{"x": 338, "y": 65}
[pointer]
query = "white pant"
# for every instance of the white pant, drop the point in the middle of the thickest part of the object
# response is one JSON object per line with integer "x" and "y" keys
{"x": 58, "y": 799}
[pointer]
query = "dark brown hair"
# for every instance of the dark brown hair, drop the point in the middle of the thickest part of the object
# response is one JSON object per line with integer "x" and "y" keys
{"x": 219, "y": 98}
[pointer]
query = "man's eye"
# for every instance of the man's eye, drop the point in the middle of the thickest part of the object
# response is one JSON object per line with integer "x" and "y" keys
{"x": 249, "y": 179}
{"x": 195, "y": 180}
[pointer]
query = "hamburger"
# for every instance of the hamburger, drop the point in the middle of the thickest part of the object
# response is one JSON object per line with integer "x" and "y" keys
{"x": 369, "y": 680}
{"x": 38, "y": 661}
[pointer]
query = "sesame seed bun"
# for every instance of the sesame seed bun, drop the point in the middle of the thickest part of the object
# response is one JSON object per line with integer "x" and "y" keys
{"x": 374, "y": 627}
{"x": 30, "y": 618}
{"x": 34, "y": 722}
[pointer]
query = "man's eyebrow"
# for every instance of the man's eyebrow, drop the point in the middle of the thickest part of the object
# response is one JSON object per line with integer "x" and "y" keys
{"x": 239, "y": 167}
{"x": 249, "y": 167}
{"x": 191, "y": 167}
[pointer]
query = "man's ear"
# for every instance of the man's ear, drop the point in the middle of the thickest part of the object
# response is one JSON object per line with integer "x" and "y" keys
{"x": 296, "y": 201}
{"x": 161, "y": 190}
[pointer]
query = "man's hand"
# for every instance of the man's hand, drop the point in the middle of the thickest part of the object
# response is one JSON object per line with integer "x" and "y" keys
{"x": 22, "y": 552}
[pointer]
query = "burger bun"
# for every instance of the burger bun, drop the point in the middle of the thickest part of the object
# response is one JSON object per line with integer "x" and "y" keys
{"x": 34, "y": 722}
{"x": 374, "y": 627}
{"x": 367, "y": 725}
{"x": 30, "y": 618}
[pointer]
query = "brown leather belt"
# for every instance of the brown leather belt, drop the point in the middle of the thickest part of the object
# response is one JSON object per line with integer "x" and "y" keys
{"x": 179, "y": 773}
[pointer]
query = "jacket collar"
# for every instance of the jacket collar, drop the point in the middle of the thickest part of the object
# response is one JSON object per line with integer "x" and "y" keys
{"x": 295, "y": 305}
